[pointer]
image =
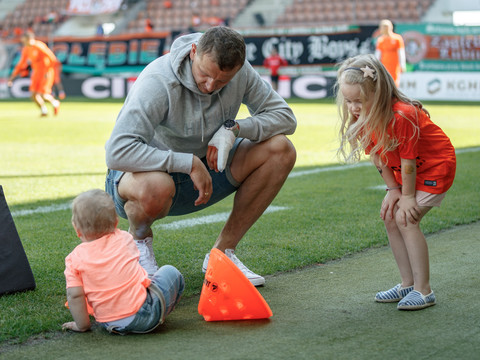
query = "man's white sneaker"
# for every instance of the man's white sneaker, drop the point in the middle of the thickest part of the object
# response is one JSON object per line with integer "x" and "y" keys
{"x": 255, "y": 279}
{"x": 147, "y": 258}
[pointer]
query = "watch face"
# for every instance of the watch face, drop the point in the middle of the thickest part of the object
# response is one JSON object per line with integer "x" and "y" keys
{"x": 229, "y": 124}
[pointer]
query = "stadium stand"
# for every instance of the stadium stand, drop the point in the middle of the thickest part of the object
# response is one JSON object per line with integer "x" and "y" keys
{"x": 186, "y": 14}
{"x": 326, "y": 12}
{"x": 46, "y": 17}
{"x": 39, "y": 16}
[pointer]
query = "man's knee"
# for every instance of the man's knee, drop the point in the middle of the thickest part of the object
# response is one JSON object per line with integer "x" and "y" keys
{"x": 277, "y": 153}
{"x": 155, "y": 203}
{"x": 152, "y": 193}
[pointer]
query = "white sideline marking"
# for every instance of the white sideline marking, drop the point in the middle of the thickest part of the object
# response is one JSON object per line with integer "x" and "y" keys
{"x": 224, "y": 216}
{"x": 43, "y": 209}
{"x": 467, "y": 150}
{"x": 326, "y": 169}
{"x": 377, "y": 187}
{"x": 209, "y": 219}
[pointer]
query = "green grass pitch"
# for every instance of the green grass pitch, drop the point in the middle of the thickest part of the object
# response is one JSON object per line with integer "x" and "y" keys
{"x": 322, "y": 213}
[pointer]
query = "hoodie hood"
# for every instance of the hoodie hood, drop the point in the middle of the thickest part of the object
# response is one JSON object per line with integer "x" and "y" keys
{"x": 181, "y": 63}
{"x": 182, "y": 68}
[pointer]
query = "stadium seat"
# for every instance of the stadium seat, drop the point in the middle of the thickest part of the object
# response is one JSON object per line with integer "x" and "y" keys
{"x": 350, "y": 11}
{"x": 307, "y": 12}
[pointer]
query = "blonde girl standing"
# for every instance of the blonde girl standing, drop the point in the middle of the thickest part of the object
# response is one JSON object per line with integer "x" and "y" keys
{"x": 414, "y": 157}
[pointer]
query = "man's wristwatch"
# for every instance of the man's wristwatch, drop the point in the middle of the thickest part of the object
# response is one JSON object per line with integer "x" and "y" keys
{"x": 233, "y": 126}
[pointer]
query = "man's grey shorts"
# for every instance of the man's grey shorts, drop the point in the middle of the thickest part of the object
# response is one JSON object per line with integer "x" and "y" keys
{"x": 185, "y": 194}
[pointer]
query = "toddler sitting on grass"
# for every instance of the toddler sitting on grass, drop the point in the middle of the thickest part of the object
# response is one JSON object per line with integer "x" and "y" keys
{"x": 105, "y": 279}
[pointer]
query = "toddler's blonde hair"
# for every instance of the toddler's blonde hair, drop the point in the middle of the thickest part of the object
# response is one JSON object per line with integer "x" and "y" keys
{"x": 93, "y": 213}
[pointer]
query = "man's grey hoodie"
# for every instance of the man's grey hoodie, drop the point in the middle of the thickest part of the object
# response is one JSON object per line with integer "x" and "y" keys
{"x": 166, "y": 120}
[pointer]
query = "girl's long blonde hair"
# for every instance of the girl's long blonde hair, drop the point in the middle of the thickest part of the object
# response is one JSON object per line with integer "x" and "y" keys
{"x": 377, "y": 88}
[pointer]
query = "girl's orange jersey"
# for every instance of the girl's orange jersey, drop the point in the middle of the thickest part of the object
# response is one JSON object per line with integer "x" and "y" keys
{"x": 419, "y": 138}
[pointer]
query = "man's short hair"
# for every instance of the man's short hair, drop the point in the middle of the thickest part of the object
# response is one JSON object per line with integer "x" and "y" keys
{"x": 226, "y": 46}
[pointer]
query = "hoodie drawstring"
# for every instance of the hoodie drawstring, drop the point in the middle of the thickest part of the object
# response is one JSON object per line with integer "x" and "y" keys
{"x": 203, "y": 122}
{"x": 203, "y": 117}
{"x": 221, "y": 105}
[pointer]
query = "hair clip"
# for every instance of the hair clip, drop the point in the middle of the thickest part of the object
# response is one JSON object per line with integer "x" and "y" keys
{"x": 367, "y": 72}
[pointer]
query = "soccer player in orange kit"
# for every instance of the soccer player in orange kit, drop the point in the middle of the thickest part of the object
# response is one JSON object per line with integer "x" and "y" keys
{"x": 42, "y": 61}
{"x": 390, "y": 50}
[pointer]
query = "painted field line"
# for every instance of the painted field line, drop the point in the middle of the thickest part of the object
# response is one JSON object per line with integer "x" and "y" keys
{"x": 327, "y": 169}
{"x": 66, "y": 206}
{"x": 377, "y": 187}
{"x": 43, "y": 209}
{"x": 467, "y": 150}
{"x": 209, "y": 219}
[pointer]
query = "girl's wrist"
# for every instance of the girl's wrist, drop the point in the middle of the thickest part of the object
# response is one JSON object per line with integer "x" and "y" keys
{"x": 393, "y": 188}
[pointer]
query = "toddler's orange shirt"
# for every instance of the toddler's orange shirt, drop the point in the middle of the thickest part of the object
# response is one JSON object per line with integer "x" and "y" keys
{"x": 110, "y": 274}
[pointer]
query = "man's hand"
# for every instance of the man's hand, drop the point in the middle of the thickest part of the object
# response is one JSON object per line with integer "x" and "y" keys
{"x": 218, "y": 149}
{"x": 202, "y": 181}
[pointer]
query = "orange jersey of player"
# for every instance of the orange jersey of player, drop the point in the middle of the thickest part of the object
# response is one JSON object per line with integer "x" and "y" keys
{"x": 390, "y": 58}
{"x": 42, "y": 61}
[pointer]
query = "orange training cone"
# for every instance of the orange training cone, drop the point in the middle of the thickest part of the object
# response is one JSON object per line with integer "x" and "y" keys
{"x": 227, "y": 294}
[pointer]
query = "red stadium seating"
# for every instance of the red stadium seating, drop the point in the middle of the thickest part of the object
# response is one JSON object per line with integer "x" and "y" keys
{"x": 326, "y": 12}
{"x": 179, "y": 14}
{"x": 41, "y": 16}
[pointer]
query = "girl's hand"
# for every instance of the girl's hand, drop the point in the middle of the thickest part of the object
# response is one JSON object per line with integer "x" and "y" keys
{"x": 389, "y": 203}
{"x": 408, "y": 209}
